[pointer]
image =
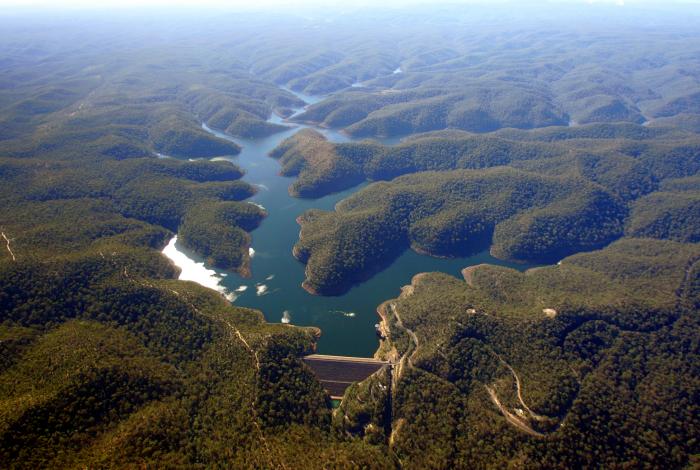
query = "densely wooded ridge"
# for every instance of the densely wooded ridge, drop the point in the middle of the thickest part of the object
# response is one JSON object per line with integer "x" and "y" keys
{"x": 569, "y": 138}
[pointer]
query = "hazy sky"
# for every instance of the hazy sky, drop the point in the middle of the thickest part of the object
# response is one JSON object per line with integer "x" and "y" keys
{"x": 257, "y": 4}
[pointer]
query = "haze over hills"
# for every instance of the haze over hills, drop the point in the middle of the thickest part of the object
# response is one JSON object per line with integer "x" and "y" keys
{"x": 566, "y": 136}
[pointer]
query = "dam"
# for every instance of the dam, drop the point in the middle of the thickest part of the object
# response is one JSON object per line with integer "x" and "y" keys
{"x": 336, "y": 373}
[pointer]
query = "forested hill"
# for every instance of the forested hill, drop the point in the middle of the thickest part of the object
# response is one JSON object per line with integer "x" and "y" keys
{"x": 592, "y": 363}
{"x": 106, "y": 360}
{"x": 534, "y": 197}
{"x": 598, "y": 123}
{"x": 486, "y": 76}
{"x": 565, "y": 135}
{"x": 627, "y": 159}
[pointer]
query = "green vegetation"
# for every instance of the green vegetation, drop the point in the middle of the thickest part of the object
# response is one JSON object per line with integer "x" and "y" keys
{"x": 103, "y": 349}
{"x": 323, "y": 167}
{"x": 667, "y": 215}
{"x": 314, "y": 160}
{"x": 605, "y": 337}
{"x": 570, "y": 135}
{"x": 244, "y": 112}
{"x": 106, "y": 360}
{"x": 217, "y": 230}
{"x": 626, "y": 162}
{"x": 363, "y": 411}
{"x": 456, "y": 212}
{"x": 392, "y": 112}
{"x": 81, "y": 140}
{"x": 481, "y": 85}
{"x": 584, "y": 183}
{"x": 170, "y": 139}
{"x": 137, "y": 201}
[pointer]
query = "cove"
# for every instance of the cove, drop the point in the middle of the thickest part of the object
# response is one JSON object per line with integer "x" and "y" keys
{"x": 347, "y": 321}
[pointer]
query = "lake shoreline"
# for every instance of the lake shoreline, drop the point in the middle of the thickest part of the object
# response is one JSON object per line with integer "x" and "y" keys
{"x": 277, "y": 284}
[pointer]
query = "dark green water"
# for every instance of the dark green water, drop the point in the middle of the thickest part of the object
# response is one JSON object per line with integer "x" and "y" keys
{"x": 347, "y": 321}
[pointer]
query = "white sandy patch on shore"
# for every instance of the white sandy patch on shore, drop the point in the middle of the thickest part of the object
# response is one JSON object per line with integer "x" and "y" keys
{"x": 191, "y": 270}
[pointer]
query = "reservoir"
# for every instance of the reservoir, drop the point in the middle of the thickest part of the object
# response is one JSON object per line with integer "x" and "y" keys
{"x": 347, "y": 321}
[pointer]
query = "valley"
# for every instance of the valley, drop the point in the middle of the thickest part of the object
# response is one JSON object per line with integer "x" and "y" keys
{"x": 202, "y": 208}
{"x": 346, "y": 321}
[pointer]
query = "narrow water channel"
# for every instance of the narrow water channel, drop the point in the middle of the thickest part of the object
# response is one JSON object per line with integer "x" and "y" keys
{"x": 347, "y": 321}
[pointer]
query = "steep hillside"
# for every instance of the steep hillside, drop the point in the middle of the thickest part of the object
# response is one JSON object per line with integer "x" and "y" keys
{"x": 455, "y": 213}
{"x": 583, "y": 364}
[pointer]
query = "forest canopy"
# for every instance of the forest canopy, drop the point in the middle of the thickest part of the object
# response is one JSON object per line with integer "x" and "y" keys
{"x": 565, "y": 135}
